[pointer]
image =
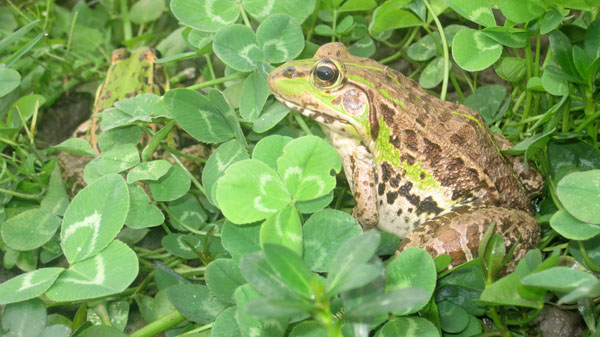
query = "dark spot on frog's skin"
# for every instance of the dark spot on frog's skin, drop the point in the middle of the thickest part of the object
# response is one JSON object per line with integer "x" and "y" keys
{"x": 337, "y": 100}
{"x": 394, "y": 182}
{"x": 410, "y": 160}
{"x": 426, "y": 98}
{"x": 380, "y": 189}
{"x": 410, "y": 210}
{"x": 455, "y": 164}
{"x": 391, "y": 197}
{"x": 288, "y": 72}
{"x": 386, "y": 171}
{"x": 422, "y": 175}
{"x": 387, "y": 112}
{"x": 410, "y": 139}
{"x": 431, "y": 147}
{"x": 399, "y": 212}
{"x": 457, "y": 139}
{"x": 406, "y": 219}
{"x": 380, "y": 202}
{"x": 338, "y": 53}
{"x": 404, "y": 191}
{"x": 428, "y": 205}
{"x": 420, "y": 122}
{"x": 129, "y": 94}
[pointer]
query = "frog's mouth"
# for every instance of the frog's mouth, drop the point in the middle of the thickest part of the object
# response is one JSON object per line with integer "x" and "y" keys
{"x": 320, "y": 117}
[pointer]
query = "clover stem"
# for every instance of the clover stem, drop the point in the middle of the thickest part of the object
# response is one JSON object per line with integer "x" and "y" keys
{"x": 444, "y": 49}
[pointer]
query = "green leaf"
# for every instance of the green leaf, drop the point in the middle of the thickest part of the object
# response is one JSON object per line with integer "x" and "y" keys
{"x": 269, "y": 149}
{"x": 473, "y": 50}
{"x": 285, "y": 228}
{"x": 408, "y": 326}
{"x": 280, "y": 38}
{"x": 592, "y": 40}
{"x": 562, "y": 49}
{"x": 478, "y": 11}
{"x": 237, "y": 47}
{"x": 150, "y": 170}
{"x": 94, "y": 218}
{"x": 519, "y": 11}
{"x": 272, "y": 115}
{"x": 223, "y": 277}
{"x": 254, "y": 95}
{"x": 324, "y": 233}
{"x": 307, "y": 167}
{"x": 206, "y": 15}
{"x": 24, "y": 319}
{"x": 357, "y": 5}
{"x": 185, "y": 246}
{"x": 146, "y": 10}
{"x": 511, "y": 69}
{"x": 240, "y": 240}
{"x": 554, "y": 85}
{"x": 118, "y": 159}
{"x": 551, "y": 19}
{"x": 9, "y": 80}
{"x": 505, "y": 291}
{"x": 579, "y": 192}
{"x": 102, "y": 331}
{"x": 308, "y": 329}
{"x": 261, "y": 9}
{"x": 195, "y": 302}
{"x": 425, "y": 48}
{"x": 226, "y": 324}
{"x": 129, "y": 111}
{"x": 290, "y": 268}
{"x": 508, "y": 36}
{"x": 487, "y": 100}
{"x": 224, "y": 156}
{"x": 585, "y": 5}
{"x": 399, "y": 300}
{"x": 28, "y": 285}
{"x": 76, "y": 146}
{"x": 389, "y": 16}
{"x": 56, "y": 200}
{"x": 272, "y": 308}
{"x": 109, "y": 272}
{"x": 452, "y": 317}
{"x": 433, "y": 73}
{"x": 560, "y": 279}
{"x": 250, "y": 191}
{"x": 171, "y": 186}
{"x": 141, "y": 213}
{"x": 186, "y": 212}
{"x": 414, "y": 267}
{"x": 571, "y": 228}
{"x": 364, "y": 47}
{"x": 572, "y": 156}
{"x": 251, "y": 326}
{"x": 259, "y": 274}
{"x": 29, "y": 229}
{"x": 197, "y": 116}
{"x": 355, "y": 251}
{"x": 131, "y": 134}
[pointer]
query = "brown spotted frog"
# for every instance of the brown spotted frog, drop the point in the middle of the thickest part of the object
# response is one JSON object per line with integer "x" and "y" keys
{"x": 427, "y": 170}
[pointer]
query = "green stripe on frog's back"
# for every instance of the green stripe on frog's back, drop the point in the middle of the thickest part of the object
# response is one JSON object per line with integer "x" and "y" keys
{"x": 386, "y": 151}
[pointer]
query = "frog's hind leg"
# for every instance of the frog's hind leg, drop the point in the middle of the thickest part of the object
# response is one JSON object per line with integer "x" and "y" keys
{"x": 458, "y": 233}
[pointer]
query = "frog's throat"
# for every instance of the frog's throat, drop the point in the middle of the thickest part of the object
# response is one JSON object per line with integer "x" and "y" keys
{"x": 332, "y": 123}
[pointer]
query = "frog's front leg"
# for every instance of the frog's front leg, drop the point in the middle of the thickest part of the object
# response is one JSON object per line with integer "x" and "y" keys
{"x": 458, "y": 233}
{"x": 363, "y": 189}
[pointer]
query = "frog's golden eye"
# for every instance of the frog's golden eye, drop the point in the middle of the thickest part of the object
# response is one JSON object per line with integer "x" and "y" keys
{"x": 326, "y": 74}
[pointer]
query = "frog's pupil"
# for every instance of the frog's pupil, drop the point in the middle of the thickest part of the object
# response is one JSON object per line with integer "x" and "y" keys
{"x": 325, "y": 73}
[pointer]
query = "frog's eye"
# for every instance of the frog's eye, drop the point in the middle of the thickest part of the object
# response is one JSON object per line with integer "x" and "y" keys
{"x": 326, "y": 74}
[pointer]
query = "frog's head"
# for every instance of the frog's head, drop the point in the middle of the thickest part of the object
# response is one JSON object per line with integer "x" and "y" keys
{"x": 324, "y": 89}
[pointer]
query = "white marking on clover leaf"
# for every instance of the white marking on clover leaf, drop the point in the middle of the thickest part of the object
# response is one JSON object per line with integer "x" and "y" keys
{"x": 292, "y": 171}
{"x": 244, "y": 52}
{"x": 222, "y": 165}
{"x": 208, "y": 7}
{"x": 262, "y": 208}
{"x": 295, "y": 238}
{"x": 255, "y": 332}
{"x": 92, "y": 222}
{"x": 183, "y": 245}
{"x": 262, "y": 182}
{"x": 187, "y": 215}
{"x": 279, "y": 46}
{"x": 100, "y": 273}
{"x": 266, "y": 10}
{"x": 317, "y": 181}
{"x": 27, "y": 281}
{"x": 482, "y": 45}
{"x": 479, "y": 12}
{"x": 209, "y": 128}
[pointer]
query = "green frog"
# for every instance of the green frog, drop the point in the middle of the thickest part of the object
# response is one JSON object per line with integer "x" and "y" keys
{"x": 426, "y": 170}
